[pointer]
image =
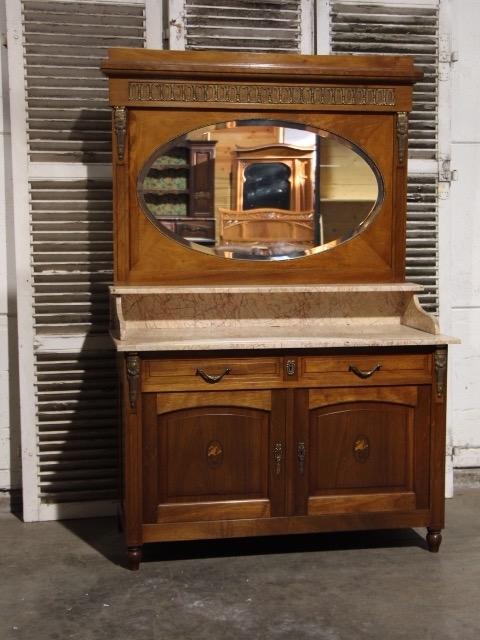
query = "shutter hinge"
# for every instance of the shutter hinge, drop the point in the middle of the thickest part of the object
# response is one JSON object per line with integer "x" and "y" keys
{"x": 175, "y": 34}
{"x": 446, "y": 176}
{"x": 445, "y": 173}
{"x": 446, "y": 57}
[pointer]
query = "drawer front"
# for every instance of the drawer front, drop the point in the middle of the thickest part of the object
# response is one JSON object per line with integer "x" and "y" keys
{"x": 211, "y": 373}
{"x": 365, "y": 369}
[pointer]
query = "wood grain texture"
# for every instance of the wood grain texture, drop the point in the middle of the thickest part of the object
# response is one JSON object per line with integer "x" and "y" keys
{"x": 358, "y": 100}
{"x": 394, "y": 395}
{"x": 285, "y": 525}
{"x": 167, "y": 402}
{"x": 290, "y": 441}
{"x": 210, "y": 64}
{"x": 437, "y": 448}
{"x": 132, "y": 465}
{"x": 365, "y": 503}
{"x": 341, "y": 363}
{"x": 182, "y": 372}
{"x": 341, "y": 433}
{"x": 251, "y": 371}
{"x": 211, "y": 456}
{"x": 169, "y": 483}
{"x": 223, "y": 510}
{"x": 155, "y": 257}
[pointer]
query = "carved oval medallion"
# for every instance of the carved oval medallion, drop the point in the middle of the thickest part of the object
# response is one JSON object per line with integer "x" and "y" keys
{"x": 214, "y": 453}
{"x": 361, "y": 448}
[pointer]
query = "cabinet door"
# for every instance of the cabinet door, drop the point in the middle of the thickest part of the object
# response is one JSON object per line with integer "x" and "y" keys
{"x": 213, "y": 455}
{"x": 362, "y": 449}
{"x": 202, "y": 176}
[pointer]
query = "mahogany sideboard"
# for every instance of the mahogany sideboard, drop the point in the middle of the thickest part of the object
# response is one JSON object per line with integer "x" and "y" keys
{"x": 271, "y": 383}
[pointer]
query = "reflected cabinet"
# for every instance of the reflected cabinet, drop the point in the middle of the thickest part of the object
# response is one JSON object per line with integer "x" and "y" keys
{"x": 278, "y": 375}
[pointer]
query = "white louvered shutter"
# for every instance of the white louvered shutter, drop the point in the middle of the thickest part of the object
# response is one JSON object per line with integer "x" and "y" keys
{"x": 68, "y": 113}
{"x": 68, "y": 132}
{"x": 403, "y": 29}
{"x": 243, "y": 25}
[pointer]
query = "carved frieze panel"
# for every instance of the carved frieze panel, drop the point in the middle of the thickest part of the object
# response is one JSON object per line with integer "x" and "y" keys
{"x": 233, "y": 93}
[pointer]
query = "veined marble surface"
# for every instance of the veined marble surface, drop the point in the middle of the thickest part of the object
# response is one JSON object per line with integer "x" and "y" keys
{"x": 266, "y": 317}
{"x": 234, "y": 307}
{"x": 264, "y": 288}
{"x": 275, "y": 337}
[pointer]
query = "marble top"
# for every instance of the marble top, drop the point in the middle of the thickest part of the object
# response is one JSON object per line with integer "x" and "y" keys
{"x": 265, "y": 289}
{"x": 272, "y": 337}
{"x": 181, "y": 318}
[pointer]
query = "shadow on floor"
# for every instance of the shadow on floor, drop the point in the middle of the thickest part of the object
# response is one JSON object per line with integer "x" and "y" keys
{"x": 102, "y": 534}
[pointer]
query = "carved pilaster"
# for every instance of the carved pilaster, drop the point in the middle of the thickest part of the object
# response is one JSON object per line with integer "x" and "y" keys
{"x": 441, "y": 369}
{"x": 402, "y": 137}
{"x": 133, "y": 375}
{"x": 120, "y": 127}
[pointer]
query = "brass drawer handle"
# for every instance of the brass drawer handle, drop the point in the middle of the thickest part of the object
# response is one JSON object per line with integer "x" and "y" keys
{"x": 211, "y": 379}
{"x": 364, "y": 374}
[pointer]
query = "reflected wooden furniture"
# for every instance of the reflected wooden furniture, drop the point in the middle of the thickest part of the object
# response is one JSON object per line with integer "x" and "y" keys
{"x": 197, "y": 171}
{"x": 266, "y": 227}
{"x": 298, "y": 162}
{"x": 271, "y": 397}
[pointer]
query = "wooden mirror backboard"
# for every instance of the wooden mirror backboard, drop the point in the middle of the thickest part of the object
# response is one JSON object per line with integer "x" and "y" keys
{"x": 160, "y": 96}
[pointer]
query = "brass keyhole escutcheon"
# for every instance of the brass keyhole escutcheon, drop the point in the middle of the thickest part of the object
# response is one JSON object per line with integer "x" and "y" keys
{"x": 290, "y": 367}
{"x": 277, "y": 457}
{"x": 301, "y": 457}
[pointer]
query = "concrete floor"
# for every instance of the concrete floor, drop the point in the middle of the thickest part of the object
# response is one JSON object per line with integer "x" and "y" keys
{"x": 66, "y": 580}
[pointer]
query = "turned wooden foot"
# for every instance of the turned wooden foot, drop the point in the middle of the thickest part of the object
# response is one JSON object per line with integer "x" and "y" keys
{"x": 434, "y": 539}
{"x": 134, "y": 555}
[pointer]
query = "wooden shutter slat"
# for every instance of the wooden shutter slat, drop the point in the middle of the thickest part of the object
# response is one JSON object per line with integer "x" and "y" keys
{"x": 243, "y": 25}
{"x": 77, "y": 426}
{"x": 63, "y": 41}
{"x": 409, "y": 30}
{"x": 388, "y": 29}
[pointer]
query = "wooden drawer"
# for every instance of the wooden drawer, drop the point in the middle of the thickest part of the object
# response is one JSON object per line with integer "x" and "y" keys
{"x": 332, "y": 371}
{"x": 172, "y": 374}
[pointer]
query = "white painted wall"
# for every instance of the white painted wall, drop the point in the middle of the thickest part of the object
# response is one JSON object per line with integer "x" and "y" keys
{"x": 464, "y": 394}
{"x": 10, "y": 466}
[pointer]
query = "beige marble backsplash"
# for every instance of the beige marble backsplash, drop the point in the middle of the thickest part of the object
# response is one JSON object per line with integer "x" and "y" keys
{"x": 282, "y": 309}
{"x": 322, "y": 306}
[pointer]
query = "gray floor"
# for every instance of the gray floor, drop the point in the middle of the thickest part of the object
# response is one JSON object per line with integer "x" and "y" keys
{"x": 66, "y": 580}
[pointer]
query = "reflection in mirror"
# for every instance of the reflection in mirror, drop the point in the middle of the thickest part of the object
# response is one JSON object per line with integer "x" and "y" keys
{"x": 260, "y": 189}
{"x": 266, "y": 184}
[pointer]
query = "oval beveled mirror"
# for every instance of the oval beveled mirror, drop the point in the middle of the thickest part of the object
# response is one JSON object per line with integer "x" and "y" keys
{"x": 260, "y": 189}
